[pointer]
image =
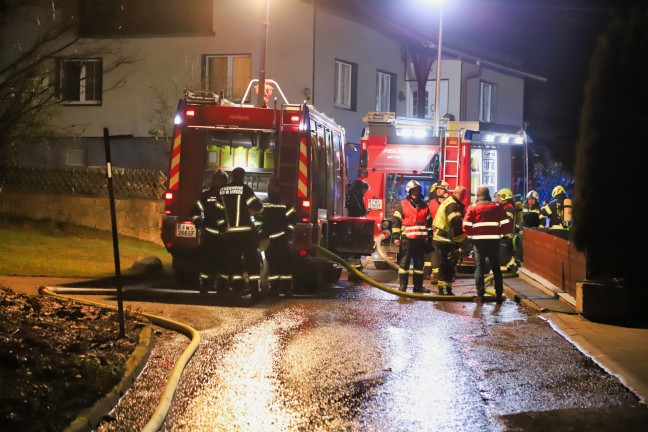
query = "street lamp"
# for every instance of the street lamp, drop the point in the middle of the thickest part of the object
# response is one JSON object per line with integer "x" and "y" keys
{"x": 525, "y": 124}
{"x": 262, "y": 58}
{"x": 438, "y": 70}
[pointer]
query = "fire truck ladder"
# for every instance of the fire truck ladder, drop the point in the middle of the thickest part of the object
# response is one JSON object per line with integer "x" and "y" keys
{"x": 450, "y": 154}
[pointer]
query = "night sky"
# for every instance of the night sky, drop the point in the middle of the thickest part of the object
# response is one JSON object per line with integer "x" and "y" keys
{"x": 554, "y": 39}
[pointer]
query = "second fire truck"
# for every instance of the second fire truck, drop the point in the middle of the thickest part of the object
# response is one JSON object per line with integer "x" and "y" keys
{"x": 395, "y": 150}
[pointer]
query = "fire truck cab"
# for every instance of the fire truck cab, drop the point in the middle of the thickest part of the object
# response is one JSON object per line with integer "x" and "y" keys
{"x": 295, "y": 143}
{"x": 395, "y": 150}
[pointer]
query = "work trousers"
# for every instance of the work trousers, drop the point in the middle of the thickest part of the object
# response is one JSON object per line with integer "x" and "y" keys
{"x": 487, "y": 250}
{"x": 280, "y": 263}
{"x": 411, "y": 250}
{"x": 449, "y": 255}
{"x": 213, "y": 261}
{"x": 243, "y": 258}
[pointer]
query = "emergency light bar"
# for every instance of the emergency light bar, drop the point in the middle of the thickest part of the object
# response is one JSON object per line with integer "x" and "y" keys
{"x": 502, "y": 138}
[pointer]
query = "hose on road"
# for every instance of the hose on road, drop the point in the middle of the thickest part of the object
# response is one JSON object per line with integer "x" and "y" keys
{"x": 417, "y": 296}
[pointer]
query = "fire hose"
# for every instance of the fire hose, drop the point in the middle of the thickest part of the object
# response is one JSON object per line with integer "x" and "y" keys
{"x": 164, "y": 404}
{"x": 418, "y": 296}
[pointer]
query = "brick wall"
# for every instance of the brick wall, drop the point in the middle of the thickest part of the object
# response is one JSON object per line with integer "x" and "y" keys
{"x": 138, "y": 218}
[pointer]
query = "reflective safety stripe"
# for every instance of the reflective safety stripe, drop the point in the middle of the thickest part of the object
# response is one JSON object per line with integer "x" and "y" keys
{"x": 302, "y": 178}
{"x": 277, "y": 234}
{"x": 286, "y": 277}
{"x": 273, "y": 277}
{"x": 254, "y": 277}
{"x": 238, "y": 229}
{"x": 212, "y": 231}
{"x": 174, "y": 171}
{"x": 402, "y": 271}
{"x": 416, "y": 231}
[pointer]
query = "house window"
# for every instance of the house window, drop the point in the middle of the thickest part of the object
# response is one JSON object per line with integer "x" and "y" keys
{"x": 345, "y": 85}
{"x": 384, "y": 92}
{"x": 430, "y": 91}
{"x": 79, "y": 81}
{"x": 228, "y": 73}
{"x": 486, "y": 91}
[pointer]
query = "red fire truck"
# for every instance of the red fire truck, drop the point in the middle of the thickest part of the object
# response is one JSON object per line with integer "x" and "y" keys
{"x": 395, "y": 150}
{"x": 299, "y": 145}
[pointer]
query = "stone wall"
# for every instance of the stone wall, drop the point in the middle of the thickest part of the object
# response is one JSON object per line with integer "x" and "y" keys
{"x": 138, "y": 218}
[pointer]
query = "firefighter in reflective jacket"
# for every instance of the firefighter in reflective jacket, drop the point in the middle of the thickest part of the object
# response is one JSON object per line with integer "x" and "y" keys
{"x": 438, "y": 193}
{"x": 276, "y": 225}
{"x": 531, "y": 217}
{"x": 485, "y": 223}
{"x": 449, "y": 236}
{"x": 411, "y": 228}
{"x": 559, "y": 212}
{"x": 240, "y": 203}
{"x": 507, "y": 258}
{"x": 210, "y": 216}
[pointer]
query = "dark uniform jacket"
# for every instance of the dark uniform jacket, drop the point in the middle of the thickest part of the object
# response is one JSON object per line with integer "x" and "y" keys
{"x": 240, "y": 203}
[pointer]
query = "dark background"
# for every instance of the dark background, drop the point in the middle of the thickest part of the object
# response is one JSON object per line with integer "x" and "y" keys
{"x": 553, "y": 39}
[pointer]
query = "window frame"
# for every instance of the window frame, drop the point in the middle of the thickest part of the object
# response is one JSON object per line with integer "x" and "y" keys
{"x": 230, "y": 79}
{"x": 77, "y": 85}
{"x": 345, "y": 91}
{"x": 385, "y": 91}
{"x": 486, "y": 96}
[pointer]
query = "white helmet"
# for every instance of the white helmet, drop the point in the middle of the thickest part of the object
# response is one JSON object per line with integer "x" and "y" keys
{"x": 412, "y": 184}
{"x": 533, "y": 194}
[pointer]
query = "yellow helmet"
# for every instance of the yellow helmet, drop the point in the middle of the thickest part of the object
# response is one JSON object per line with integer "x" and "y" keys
{"x": 557, "y": 191}
{"x": 441, "y": 184}
{"x": 505, "y": 194}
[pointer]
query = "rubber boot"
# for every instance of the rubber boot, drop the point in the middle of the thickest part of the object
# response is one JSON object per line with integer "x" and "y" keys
{"x": 402, "y": 281}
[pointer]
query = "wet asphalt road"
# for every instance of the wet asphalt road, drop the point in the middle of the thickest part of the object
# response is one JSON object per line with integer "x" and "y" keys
{"x": 354, "y": 358}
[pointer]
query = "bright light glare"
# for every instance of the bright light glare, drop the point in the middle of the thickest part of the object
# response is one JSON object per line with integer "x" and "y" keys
{"x": 417, "y": 133}
{"x": 177, "y": 120}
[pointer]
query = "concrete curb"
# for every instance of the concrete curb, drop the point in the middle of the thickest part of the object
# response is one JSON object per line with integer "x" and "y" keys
{"x": 91, "y": 417}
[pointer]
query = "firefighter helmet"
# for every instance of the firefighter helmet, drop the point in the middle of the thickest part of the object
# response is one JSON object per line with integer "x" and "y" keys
{"x": 557, "y": 191}
{"x": 220, "y": 176}
{"x": 412, "y": 184}
{"x": 533, "y": 194}
{"x": 505, "y": 194}
{"x": 442, "y": 185}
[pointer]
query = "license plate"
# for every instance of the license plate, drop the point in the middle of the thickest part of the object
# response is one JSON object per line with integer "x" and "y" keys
{"x": 186, "y": 230}
{"x": 374, "y": 204}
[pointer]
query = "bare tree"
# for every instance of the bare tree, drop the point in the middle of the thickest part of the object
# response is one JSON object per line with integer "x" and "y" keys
{"x": 34, "y": 33}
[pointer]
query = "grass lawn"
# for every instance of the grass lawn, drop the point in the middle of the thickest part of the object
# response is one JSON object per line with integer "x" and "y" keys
{"x": 46, "y": 248}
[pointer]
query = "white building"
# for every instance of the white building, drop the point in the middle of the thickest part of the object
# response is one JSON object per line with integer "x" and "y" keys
{"x": 318, "y": 51}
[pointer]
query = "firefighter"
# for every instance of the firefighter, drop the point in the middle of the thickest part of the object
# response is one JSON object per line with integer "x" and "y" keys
{"x": 209, "y": 216}
{"x": 449, "y": 237}
{"x": 411, "y": 228}
{"x": 508, "y": 258}
{"x": 240, "y": 204}
{"x": 438, "y": 192}
{"x": 276, "y": 224}
{"x": 355, "y": 200}
{"x": 531, "y": 216}
{"x": 485, "y": 223}
{"x": 558, "y": 212}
